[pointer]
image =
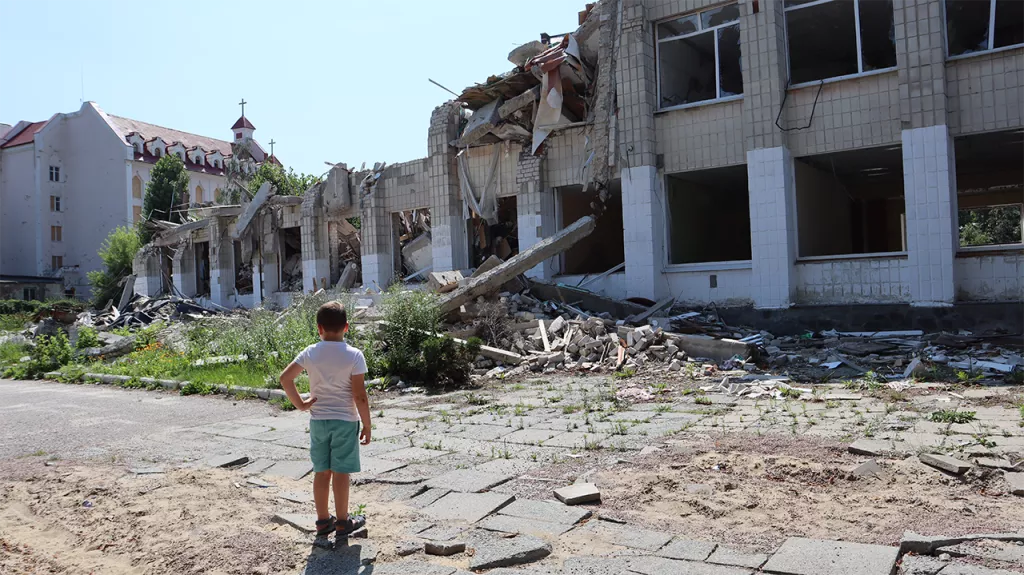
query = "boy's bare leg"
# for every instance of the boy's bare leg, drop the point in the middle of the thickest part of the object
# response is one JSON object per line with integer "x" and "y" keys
{"x": 322, "y": 493}
{"x": 341, "y": 496}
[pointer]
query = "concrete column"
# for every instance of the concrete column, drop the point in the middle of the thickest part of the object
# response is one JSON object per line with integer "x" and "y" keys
{"x": 535, "y": 207}
{"x": 183, "y": 269}
{"x": 269, "y": 253}
{"x": 257, "y": 280}
{"x": 222, "y": 263}
{"x": 929, "y": 186}
{"x": 772, "y": 190}
{"x": 376, "y": 259}
{"x": 643, "y": 223}
{"x": 448, "y": 222}
{"x": 316, "y": 262}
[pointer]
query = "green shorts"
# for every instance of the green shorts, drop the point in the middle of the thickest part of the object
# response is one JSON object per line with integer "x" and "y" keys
{"x": 334, "y": 445}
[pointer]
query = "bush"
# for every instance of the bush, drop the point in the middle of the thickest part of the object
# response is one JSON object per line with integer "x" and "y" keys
{"x": 50, "y": 353}
{"x": 197, "y": 388}
{"x": 87, "y": 337}
{"x": 13, "y": 306}
{"x": 117, "y": 253}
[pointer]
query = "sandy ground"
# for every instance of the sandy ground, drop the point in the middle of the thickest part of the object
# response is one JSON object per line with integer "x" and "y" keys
{"x": 98, "y": 519}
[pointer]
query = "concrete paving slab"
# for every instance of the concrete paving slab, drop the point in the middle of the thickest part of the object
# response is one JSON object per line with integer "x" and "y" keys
{"x": 468, "y": 480}
{"x": 482, "y": 431}
{"x": 468, "y": 507}
{"x": 296, "y": 469}
{"x": 378, "y": 448}
{"x": 921, "y": 565}
{"x": 242, "y": 431}
{"x": 444, "y": 548}
{"x": 506, "y": 466}
{"x": 258, "y": 466}
{"x": 535, "y": 527}
{"x": 505, "y": 552}
{"x": 427, "y": 497}
{"x": 304, "y": 522}
{"x": 529, "y": 436}
{"x": 800, "y": 556}
{"x": 725, "y": 555}
{"x": 229, "y": 460}
{"x": 945, "y": 463}
{"x": 298, "y": 440}
{"x": 412, "y": 568}
{"x": 442, "y": 532}
{"x": 578, "y": 493}
{"x": 545, "y": 511}
{"x": 1016, "y": 482}
{"x": 588, "y": 565}
{"x": 626, "y": 535}
{"x": 146, "y": 470}
{"x": 410, "y": 454}
{"x": 297, "y": 496}
{"x": 664, "y": 566}
{"x": 256, "y": 481}
{"x": 687, "y": 549}
{"x": 575, "y": 440}
{"x": 958, "y": 569}
{"x": 374, "y": 466}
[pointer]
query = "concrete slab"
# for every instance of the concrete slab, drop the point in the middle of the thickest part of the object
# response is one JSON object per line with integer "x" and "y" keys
{"x": 468, "y": 480}
{"x": 920, "y": 565}
{"x": 229, "y": 460}
{"x": 441, "y": 532}
{"x": 535, "y": 527}
{"x": 626, "y": 535}
{"x": 664, "y": 566}
{"x": 146, "y": 470}
{"x": 468, "y": 507}
{"x": 506, "y": 466}
{"x": 412, "y": 568}
{"x": 588, "y": 565}
{"x": 427, "y": 497}
{"x": 545, "y": 511}
{"x": 342, "y": 559}
{"x": 529, "y": 436}
{"x": 256, "y": 481}
{"x": 687, "y": 549}
{"x": 975, "y": 570}
{"x": 482, "y": 431}
{"x": 297, "y": 496}
{"x": 575, "y": 440}
{"x": 1016, "y": 482}
{"x": 800, "y": 556}
{"x": 945, "y": 463}
{"x": 724, "y": 555}
{"x": 410, "y": 454}
{"x": 505, "y": 552}
{"x": 296, "y": 469}
{"x": 304, "y": 522}
{"x": 444, "y": 548}
{"x": 578, "y": 493}
{"x": 374, "y": 466}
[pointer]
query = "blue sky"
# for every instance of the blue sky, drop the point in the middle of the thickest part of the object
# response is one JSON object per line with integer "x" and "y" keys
{"x": 338, "y": 81}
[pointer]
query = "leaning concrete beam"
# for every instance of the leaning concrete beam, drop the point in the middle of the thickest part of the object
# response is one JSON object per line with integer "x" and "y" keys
{"x": 481, "y": 122}
{"x": 179, "y": 233}
{"x": 245, "y": 219}
{"x": 518, "y": 102}
{"x": 518, "y": 264}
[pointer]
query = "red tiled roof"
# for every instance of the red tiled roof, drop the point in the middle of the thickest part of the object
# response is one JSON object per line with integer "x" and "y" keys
{"x": 149, "y": 131}
{"x": 26, "y": 135}
{"x": 243, "y": 122}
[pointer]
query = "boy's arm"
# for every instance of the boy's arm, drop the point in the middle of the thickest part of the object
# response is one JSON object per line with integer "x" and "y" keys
{"x": 288, "y": 385}
{"x": 362, "y": 405}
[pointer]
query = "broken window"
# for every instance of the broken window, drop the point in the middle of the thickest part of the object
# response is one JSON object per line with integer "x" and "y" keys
{"x": 499, "y": 239}
{"x": 851, "y": 202}
{"x": 243, "y": 270}
{"x": 980, "y": 25}
{"x": 291, "y": 264}
{"x": 990, "y": 188}
{"x": 413, "y": 248}
{"x": 604, "y": 248}
{"x": 699, "y": 57}
{"x": 202, "y": 255}
{"x": 833, "y": 38}
{"x": 709, "y": 216}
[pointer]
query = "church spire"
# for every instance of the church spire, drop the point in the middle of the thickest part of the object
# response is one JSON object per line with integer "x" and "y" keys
{"x": 243, "y": 128}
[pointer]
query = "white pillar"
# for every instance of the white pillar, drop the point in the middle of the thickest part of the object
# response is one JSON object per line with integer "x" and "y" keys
{"x": 643, "y": 220}
{"x": 929, "y": 186}
{"x": 773, "y": 224}
{"x": 535, "y": 207}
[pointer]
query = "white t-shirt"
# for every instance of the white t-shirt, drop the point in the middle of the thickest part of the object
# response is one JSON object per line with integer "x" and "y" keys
{"x": 331, "y": 365}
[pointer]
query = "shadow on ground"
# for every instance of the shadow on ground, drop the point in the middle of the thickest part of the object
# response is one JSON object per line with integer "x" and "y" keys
{"x": 340, "y": 559}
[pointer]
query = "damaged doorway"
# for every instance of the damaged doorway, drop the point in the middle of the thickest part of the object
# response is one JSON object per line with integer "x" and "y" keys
{"x": 291, "y": 263}
{"x": 709, "y": 216}
{"x": 990, "y": 188}
{"x": 604, "y": 248}
{"x": 243, "y": 271}
{"x": 500, "y": 239}
{"x": 202, "y": 255}
{"x": 851, "y": 202}
{"x": 411, "y": 244}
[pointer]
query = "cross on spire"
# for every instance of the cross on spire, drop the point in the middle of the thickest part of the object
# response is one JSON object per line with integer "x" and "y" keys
{"x": 242, "y": 104}
{"x": 272, "y": 142}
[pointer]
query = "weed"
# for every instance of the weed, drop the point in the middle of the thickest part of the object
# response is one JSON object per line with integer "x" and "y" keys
{"x": 474, "y": 399}
{"x": 625, "y": 373}
{"x": 619, "y": 428}
{"x": 446, "y": 418}
{"x": 520, "y": 410}
{"x": 953, "y": 416}
{"x": 360, "y": 509}
{"x": 984, "y": 441}
{"x": 283, "y": 404}
{"x": 663, "y": 408}
{"x": 702, "y": 400}
{"x": 200, "y": 388}
{"x": 87, "y": 337}
{"x": 661, "y": 387}
{"x": 554, "y": 398}
{"x": 571, "y": 408}
{"x": 590, "y": 444}
{"x": 501, "y": 453}
{"x": 433, "y": 446}
{"x": 791, "y": 393}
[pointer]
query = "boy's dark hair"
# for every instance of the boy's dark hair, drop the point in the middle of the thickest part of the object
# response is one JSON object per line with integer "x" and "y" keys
{"x": 332, "y": 316}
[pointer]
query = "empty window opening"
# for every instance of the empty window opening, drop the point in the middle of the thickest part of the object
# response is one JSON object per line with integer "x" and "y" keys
{"x": 990, "y": 188}
{"x": 839, "y": 38}
{"x": 411, "y": 243}
{"x": 979, "y": 25}
{"x": 349, "y": 247}
{"x": 699, "y": 57}
{"x": 243, "y": 270}
{"x": 604, "y": 248}
{"x": 851, "y": 202}
{"x": 202, "y": 255}
{"x": 709, "y": 216}
{"x": 28, "y": 294}
{"x": 291, "y": 263}
{"x": 500, "y": 238}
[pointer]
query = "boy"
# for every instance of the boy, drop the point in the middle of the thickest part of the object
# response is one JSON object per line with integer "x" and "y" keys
{"x": 337, "y": 404}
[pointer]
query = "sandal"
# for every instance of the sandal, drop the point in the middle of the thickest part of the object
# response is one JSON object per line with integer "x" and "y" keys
{"x": 351, "y": 525}
{"x": 325, "y": 526}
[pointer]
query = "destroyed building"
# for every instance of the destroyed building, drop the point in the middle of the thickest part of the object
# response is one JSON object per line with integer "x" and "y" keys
{"x": 764, "y": 153}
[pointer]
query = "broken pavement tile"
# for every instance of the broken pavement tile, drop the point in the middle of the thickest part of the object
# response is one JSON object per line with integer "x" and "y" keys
{"x": 800, "y": 556}
{"x": 578, "y": 494}
{"x": 1016, "y": 481}
{"x": 303, "y": 522}
{"x": 230, "y": 460}
{"x": 444, "y": 548}
{"x": 505, "y": 552}
{"x": 945, "y": 463}
{"x": 724, "y": 555}
{"x": 146, "y": 470}
{"x": 869, "y": 468}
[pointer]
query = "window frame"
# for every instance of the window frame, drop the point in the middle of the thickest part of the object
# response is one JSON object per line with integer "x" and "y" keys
{"x": 56, "y": 262}
{"x": 991, "y": 36}
{"x": 55, "y": 204}
{"x": 860, "y": 55}
{"x": 718, "y": 65}
{"x": 56, "y": 233}
{"x": 55, "y": 174}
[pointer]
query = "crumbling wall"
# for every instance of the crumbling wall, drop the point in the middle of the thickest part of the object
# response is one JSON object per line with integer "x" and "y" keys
{"x": 448, "y": 229}
{"x": 405, "y": 185}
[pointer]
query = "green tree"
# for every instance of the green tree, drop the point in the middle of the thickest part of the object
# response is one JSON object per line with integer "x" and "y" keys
{"x": 117, "y": 253}
{"x": 988, "y": 226}
{"x": 167, "y": 187}
{"x": 287, "y": 183}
